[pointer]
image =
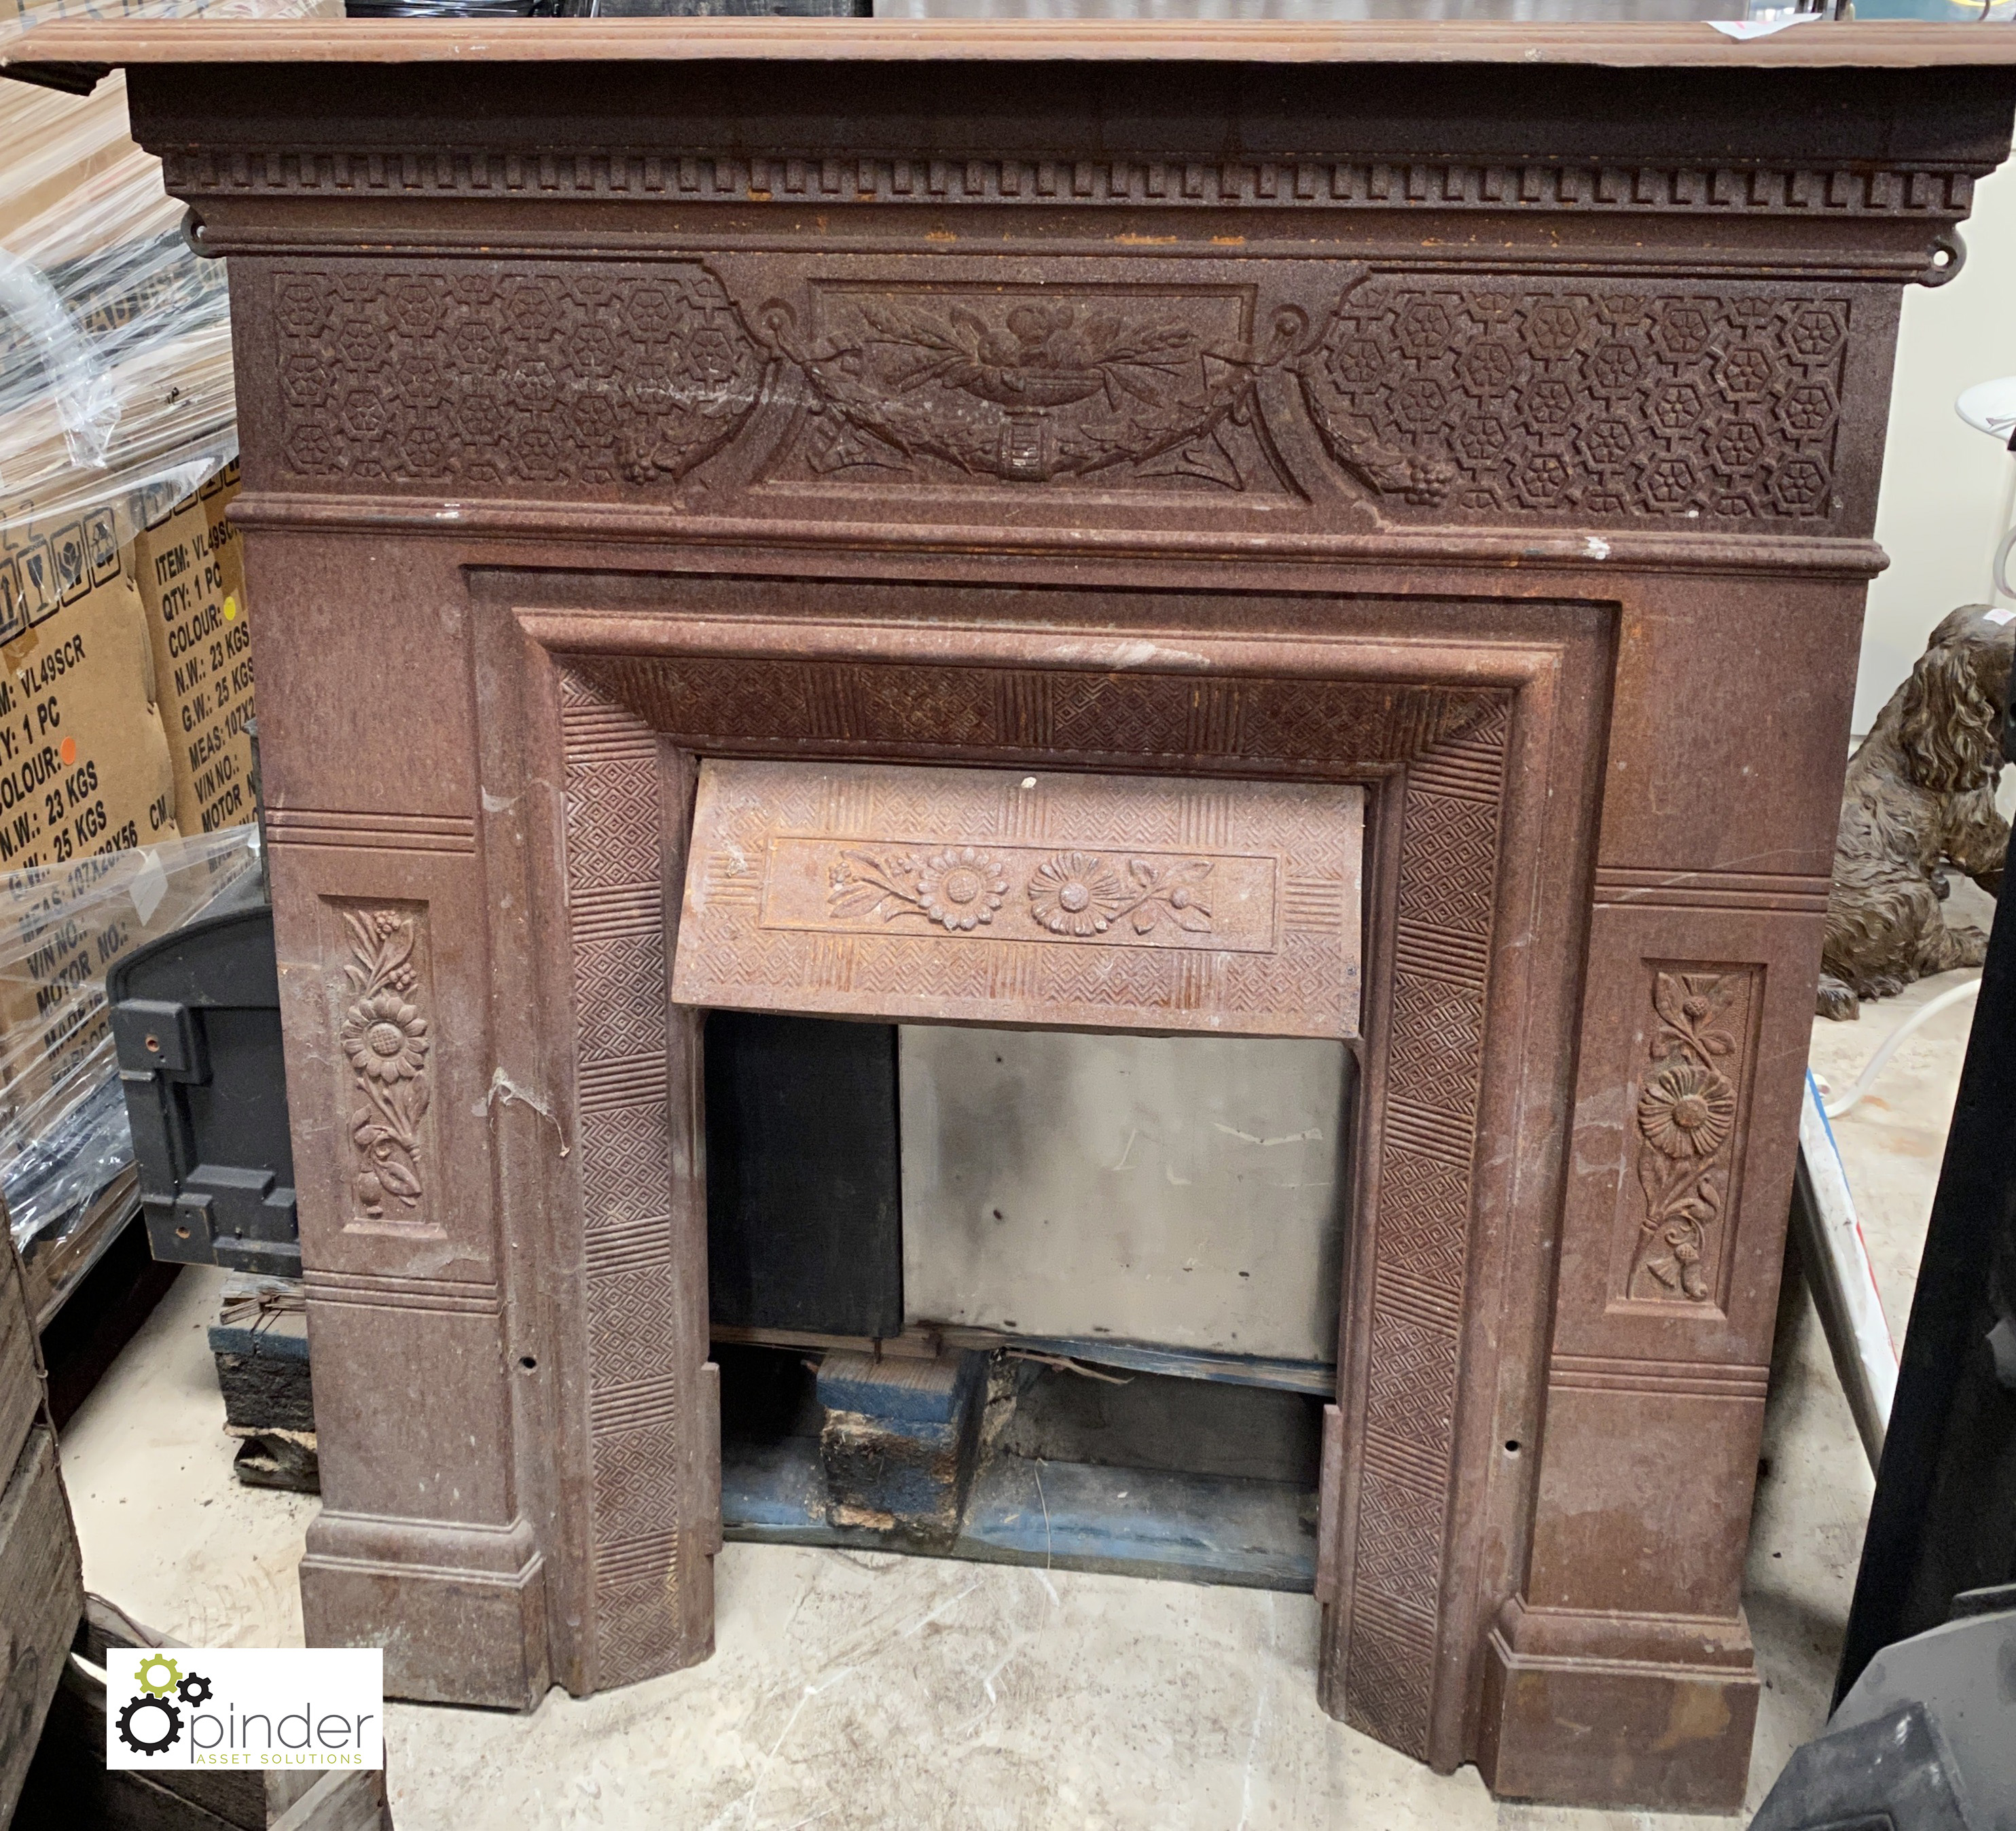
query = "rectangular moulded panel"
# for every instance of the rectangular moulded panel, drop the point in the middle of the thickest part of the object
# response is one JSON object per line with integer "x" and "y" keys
{"x": 989, "y": 895}
{"x": 1184, "y": 1190}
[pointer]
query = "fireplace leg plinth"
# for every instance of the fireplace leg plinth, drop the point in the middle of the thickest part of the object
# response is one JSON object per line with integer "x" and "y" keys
{"x": 460, "y": 1610}
{"x": 1599, "y": 1709}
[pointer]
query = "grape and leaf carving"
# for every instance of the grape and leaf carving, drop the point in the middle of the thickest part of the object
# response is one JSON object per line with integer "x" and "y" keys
{"x": 385, "y": 1038}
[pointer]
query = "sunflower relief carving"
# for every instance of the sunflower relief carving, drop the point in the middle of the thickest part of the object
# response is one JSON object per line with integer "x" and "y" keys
{"x": 958, "y": 888}
{"x": 387, "y": 1038}
{"x": 1076, "y": 893}
{"x": 1686, "y": 1113}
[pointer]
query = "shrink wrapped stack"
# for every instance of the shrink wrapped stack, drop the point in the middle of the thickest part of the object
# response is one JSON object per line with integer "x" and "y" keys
{"x": 125, "y": 647}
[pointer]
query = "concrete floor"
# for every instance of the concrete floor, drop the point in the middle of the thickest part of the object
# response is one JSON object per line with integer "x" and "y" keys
{"x": 857, "y": 1692}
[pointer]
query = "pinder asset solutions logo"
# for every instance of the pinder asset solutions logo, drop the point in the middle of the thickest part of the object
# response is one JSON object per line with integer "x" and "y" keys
{"x": 244, "y": 1707}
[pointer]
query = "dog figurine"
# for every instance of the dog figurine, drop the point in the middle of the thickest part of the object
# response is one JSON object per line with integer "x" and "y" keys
{"x": 1919, "y": 797}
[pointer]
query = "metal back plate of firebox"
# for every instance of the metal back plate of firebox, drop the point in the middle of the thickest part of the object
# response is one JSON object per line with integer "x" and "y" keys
{"x": 1184, "y": 1190}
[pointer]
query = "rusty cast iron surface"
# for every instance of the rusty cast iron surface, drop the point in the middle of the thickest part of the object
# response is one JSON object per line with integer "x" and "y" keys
{"x": 986, "y": 896}
{"x": 1497, "y": 441}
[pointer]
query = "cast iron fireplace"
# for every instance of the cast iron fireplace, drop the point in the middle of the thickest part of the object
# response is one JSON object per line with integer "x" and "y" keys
{"x": 1210, "y": 410}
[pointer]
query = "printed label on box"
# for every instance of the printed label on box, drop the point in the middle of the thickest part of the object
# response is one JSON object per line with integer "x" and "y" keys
{"x": 191, "y": 580}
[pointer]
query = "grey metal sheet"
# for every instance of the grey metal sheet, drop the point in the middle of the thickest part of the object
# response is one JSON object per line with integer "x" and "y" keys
{"x": 1178, "y": 1190}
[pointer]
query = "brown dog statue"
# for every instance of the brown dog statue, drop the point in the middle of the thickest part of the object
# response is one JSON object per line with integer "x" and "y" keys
{"x": 1921, "y": 797}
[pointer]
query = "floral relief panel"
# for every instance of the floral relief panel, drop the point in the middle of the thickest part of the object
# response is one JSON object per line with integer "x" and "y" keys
{"x": 1501, "y": 399}
{"x": 983, "y": 895}
{"x": 384, "y": 1032}
{"x": 1692, "y": 1096}
{"x": 1140, "y": 387}
{"x": 1075, "y": 895}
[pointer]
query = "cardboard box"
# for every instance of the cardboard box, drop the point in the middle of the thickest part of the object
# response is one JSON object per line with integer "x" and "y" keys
{"x": 91, "y": 765}
{"x": 190, "y": 571}
{"x": 85, "y": 773}
{"x": 85, "y": 763}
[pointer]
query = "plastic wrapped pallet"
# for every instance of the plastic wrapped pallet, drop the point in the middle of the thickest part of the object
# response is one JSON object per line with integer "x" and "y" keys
{"x": 115, "y": 371}
{"x": 51, "y": 143}
{"x": 117, "y": 419}
{"x": 64, "y": 1134}
{"x": 115, "y": 396}
{"x": 89, "y": 775}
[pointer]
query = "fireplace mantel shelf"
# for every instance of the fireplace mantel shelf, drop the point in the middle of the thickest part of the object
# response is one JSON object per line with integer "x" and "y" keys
{"x": 1874, "y": 44}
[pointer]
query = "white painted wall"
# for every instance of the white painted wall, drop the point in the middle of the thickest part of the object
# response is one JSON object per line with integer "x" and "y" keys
{"x": 1940, "y": 512}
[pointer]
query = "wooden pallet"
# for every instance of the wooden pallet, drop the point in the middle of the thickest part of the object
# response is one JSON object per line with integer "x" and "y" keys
{"x": 41, "y": 1583}
{"x": 55, "y": 1270}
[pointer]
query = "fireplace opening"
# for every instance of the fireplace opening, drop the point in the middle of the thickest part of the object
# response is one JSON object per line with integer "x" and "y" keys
{"x": 1035, "y": 1252}
{"x": 1048, "y": 1296}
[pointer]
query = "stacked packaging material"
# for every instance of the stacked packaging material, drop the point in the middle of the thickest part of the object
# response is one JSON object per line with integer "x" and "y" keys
{"x": 125, "y": 656}
{"x": 115, "y": 375}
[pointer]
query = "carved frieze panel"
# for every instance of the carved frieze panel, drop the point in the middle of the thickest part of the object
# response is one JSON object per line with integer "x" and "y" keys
{"x": 1714, "y": 405}
{"x": 1692, "y": 1098}
{"x": 536, "y": 378}
{"x": 991, "y": 896}
{"x": 1504, "y": 398}
{"x": 1141, "y": 386}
